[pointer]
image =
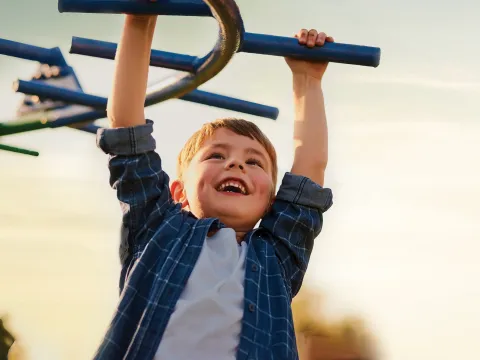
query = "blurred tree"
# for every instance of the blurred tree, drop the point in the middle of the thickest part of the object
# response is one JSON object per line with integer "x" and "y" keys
{"x": 320, "y": 339}
{"x": 10, "y": 348}
{"x": 17, "y": 352}
{"x": 6, "y": 341}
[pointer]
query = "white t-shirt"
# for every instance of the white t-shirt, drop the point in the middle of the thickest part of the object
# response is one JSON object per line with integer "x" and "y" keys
{"x": 207, "y": 319}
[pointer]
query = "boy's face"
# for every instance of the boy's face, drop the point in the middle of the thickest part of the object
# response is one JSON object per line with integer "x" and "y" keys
{"x": 229, "y": 178}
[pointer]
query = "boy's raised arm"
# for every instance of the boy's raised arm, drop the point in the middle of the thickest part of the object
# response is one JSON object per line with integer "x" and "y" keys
{"x": 310, "y": 130}
{"x": 135, "y": 168}
{"x": 296, "y": 216}
{"x": 310, "y": 134}
{"x": 132, "y": 61}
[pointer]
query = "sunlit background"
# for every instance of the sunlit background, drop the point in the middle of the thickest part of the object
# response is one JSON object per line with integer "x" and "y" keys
{"x": 399, "y": 247}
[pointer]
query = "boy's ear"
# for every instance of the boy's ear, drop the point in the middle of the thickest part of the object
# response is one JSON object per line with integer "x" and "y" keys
{"x": 272, "y": 200}
{"x": 269, "y": 207}
{"x": 177, "y": 189}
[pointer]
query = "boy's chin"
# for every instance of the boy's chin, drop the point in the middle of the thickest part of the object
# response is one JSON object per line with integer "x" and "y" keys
{"x": 237, "y": 218}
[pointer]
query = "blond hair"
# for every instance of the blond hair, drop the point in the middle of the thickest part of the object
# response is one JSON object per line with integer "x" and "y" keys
{"x": 238, "y": 126}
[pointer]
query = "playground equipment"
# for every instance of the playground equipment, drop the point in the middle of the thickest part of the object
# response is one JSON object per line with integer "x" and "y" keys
{"x": 54, "y": 97}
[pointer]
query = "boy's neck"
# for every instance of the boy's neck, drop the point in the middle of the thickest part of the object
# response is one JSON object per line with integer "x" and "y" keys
{"x": 238, "y": 234}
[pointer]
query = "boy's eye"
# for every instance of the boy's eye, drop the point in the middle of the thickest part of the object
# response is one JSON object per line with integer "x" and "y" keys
{"x": 215, "y": 156}
{"x": 254, "y": 162}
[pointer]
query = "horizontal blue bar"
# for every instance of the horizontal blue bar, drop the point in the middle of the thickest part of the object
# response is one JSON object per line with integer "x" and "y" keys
{"x": 90, "y": 128}
{"x": 78, "y": 118}
{"x": 225, "y": 102}
{"x": 252, "y": 43}
{"x": 289, "y": 47}
{"x": 161, "y": 7}
{"x": 107, "y": 50}
{"x": 55, "y": 93}
{"x": 30, "y": 52}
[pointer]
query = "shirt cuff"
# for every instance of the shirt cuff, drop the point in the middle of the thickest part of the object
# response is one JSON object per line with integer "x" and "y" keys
{"x": 128, "y": 140}
{"x": 301, "y": 190}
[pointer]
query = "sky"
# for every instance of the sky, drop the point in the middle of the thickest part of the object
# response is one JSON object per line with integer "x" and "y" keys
{"x": 399, "y": 247}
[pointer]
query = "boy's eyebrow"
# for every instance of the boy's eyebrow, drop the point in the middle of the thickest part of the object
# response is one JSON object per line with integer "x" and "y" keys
{"x": 256, "y": 152}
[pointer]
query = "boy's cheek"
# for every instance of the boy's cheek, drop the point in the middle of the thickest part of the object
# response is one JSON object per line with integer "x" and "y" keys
{"x": 265, "y": 185}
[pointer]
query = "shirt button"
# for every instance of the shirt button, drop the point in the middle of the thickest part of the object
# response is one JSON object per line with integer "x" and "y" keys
{"x": 254, "y": 267}
{"x": 251, "y": 307}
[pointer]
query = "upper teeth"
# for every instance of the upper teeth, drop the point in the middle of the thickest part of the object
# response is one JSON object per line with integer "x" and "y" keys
{"x": 233, "y": 183}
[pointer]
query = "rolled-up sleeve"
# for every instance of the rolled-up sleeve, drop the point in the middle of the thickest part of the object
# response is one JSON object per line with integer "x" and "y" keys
{"x": 294, "y": 221}
{"x": 141, "y": 184}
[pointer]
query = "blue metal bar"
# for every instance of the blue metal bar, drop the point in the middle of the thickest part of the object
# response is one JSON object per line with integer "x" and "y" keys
{"x": 107, "y": 50}
{"x": 162, "y": 7}
{"x": 68, "y": 96}
{"x": 77, "y": 119}
{"x": 229, "y": 103}
{"x": 90, "y": 128}
{"x": 289, "y": 47}
{"x": 252, "y": 43}
{"x": 56, "y": 93}
{"x": 30, "y": 52}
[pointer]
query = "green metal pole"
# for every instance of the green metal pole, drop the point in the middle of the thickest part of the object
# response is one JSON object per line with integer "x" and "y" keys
{"x": 18, "y": 150}
{"x": 15, "y": 128}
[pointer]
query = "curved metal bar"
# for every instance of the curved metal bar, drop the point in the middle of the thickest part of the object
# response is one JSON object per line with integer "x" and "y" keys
{"x": 231, "y": 31}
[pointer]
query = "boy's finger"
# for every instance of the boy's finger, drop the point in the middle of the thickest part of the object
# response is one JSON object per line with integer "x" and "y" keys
{"x": 302, "y": 36}
{"x": 321, "y": 37}
{"x": 312, "y": 37}
{"x": 329, "y": 39}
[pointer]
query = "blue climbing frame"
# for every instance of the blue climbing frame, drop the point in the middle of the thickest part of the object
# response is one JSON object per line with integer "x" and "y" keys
{"x": 195, "y": 70}
{"x": 54, "y": 57}
{"x": 229, "y": 40}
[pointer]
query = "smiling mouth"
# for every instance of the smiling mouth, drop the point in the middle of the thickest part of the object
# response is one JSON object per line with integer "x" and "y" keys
{"x": 232, "y": 186}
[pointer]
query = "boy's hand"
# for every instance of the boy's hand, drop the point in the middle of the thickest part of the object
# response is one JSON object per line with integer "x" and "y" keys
{"x": 310, "y": 39}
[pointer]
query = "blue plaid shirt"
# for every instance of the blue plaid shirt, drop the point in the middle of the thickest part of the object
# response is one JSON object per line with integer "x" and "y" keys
{"x": 161, "y": 242}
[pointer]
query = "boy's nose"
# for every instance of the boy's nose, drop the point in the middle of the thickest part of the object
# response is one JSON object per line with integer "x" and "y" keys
{"x": 233, "y": 165}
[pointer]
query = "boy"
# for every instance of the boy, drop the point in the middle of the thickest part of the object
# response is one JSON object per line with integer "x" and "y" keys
{"x": 198, "y": 281}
